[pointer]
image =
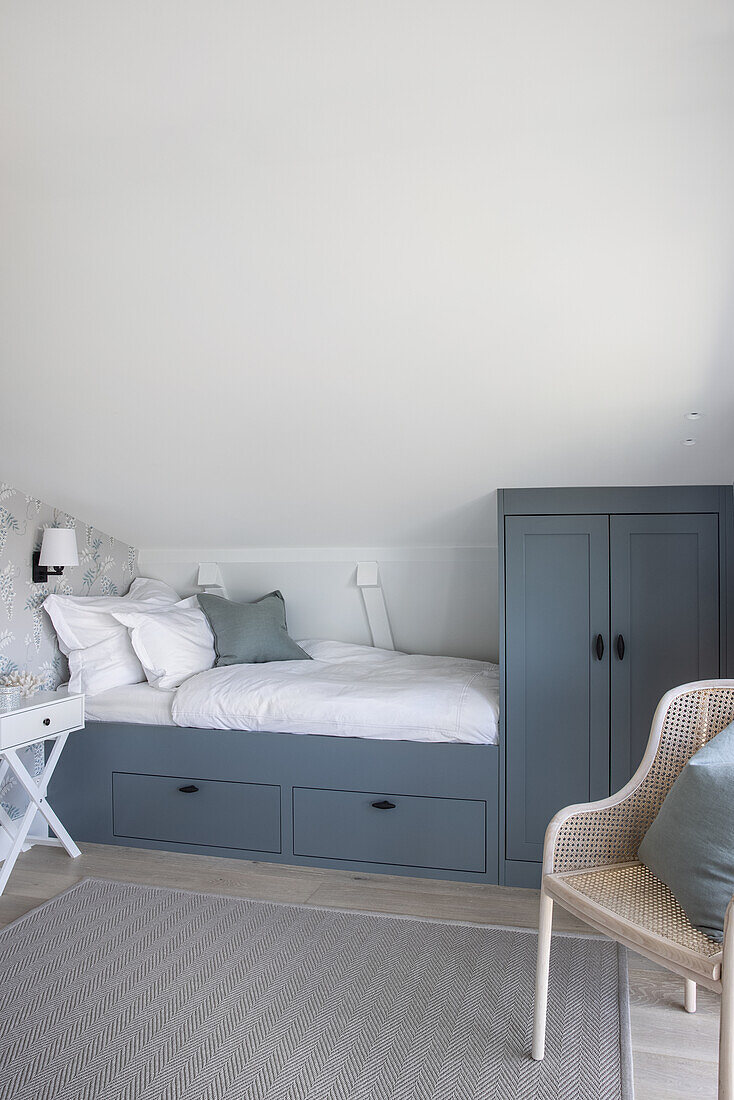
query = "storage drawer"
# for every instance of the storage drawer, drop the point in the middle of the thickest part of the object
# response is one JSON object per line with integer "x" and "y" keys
{"x": 25, "y": 726}
{"x": 409, "y": 830}
{"x": 210, "y": 812}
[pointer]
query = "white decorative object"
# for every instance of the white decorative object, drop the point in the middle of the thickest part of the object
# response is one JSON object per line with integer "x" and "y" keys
{"x": 49, "y": 717}
{"x": 26, "y": 682}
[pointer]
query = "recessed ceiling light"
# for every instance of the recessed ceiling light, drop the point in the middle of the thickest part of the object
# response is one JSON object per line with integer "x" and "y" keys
{"x": 693, "y": 416}
{"x": 690, "y": 442}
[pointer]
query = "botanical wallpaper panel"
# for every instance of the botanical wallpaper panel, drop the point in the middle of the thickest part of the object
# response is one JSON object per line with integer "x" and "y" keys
{"x": 27, "y": 638}
{"x": 106, "y": 568}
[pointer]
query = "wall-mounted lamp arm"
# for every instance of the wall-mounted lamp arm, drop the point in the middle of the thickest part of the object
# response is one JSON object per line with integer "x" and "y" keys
{"x": 41, "y": 573}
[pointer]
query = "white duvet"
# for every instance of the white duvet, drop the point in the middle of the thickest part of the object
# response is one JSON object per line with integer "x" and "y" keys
{"x": 349, "y": 691}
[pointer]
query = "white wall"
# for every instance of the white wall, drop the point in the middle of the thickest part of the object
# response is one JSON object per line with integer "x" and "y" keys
{"x": 317, "y": 273}
{"x": 328, "y": 272}
{"x": 439, "y": 600}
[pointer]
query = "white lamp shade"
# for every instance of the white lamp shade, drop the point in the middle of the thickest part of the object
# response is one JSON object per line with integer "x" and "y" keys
{"x": 59, "y": 547}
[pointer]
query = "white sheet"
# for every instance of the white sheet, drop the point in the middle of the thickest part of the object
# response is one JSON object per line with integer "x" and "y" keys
{"x": 349, "y": 691}
{"x": 138, "y": 703}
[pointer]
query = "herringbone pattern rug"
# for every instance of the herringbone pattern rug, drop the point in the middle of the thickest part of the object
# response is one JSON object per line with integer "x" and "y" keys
{"x": 134, "y": 992}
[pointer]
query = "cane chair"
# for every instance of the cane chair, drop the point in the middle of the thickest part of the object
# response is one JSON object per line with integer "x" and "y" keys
{"x": 590, "y": 867}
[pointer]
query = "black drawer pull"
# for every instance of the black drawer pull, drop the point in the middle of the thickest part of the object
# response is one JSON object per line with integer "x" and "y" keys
{"x": 190, "y": 789}
{"x": 599, "y": 647}
{"x": 620, "y": 647}
{"x": 47, "y": 721}
{"x": 384, "y": 805}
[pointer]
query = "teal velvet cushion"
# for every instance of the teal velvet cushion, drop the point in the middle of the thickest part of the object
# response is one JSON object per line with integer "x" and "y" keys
{"x": 690, "y": 844}
{"x": 250, "y": 633}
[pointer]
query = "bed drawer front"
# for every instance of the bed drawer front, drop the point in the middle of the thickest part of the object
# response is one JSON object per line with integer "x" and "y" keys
{"x": 403, "y": 830}
{"x": 216, "y": 814}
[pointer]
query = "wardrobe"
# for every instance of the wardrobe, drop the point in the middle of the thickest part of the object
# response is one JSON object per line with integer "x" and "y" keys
{"x": 608, "y": 598}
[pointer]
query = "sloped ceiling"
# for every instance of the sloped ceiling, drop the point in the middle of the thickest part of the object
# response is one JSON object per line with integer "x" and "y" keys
{"x": 292, "y": 273}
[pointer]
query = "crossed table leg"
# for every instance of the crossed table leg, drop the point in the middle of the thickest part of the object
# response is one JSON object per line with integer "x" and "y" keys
{"x": 36, "y": 789}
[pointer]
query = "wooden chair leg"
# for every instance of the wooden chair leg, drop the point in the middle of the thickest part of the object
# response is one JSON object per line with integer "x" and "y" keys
{"x": 726, "y": 1042}
{"x": 690, "y": 996}
{"x": 541, "y": 975}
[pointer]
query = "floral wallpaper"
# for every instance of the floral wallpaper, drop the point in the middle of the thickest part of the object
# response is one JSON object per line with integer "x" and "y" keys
{"x": 106, "y": 568}
{"x": 27, "y": 638}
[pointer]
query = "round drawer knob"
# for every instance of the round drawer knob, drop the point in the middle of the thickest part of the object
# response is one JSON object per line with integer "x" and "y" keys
{"x": 47, "y": 721}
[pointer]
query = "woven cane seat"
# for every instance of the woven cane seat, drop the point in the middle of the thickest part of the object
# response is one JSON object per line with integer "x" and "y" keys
{"x": 629, "y": 900}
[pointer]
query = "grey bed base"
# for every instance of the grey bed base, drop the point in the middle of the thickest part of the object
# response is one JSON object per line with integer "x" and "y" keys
{"x": 389, "y": 807}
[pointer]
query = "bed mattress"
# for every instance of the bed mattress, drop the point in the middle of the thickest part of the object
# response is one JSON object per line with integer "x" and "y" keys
{"x": 345, "y": 691}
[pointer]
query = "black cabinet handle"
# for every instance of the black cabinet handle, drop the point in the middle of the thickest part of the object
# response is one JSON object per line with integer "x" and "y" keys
{"x": 384, "y": 805}
{"x": 190, "y": 789}
{"x": 47, "y": 721}
{"x": 620, "y": 647}
{"x": 599, "y": 647}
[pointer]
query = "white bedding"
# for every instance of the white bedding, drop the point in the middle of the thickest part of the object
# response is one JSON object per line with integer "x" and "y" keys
{"x": 348, "y": 691}
{"x": 138, "y": 703}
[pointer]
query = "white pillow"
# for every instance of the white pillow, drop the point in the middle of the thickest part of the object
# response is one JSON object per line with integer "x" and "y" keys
{"x": 171, "y": 644}
{"x": 107, "y": 664}
{"x": 82, "y": 623}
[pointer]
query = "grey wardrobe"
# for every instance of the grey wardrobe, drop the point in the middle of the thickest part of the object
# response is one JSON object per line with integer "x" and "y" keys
{"x": 608, "y": 598}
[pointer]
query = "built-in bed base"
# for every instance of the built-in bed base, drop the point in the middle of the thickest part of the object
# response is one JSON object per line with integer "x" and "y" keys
{"x": 390, "y": 807}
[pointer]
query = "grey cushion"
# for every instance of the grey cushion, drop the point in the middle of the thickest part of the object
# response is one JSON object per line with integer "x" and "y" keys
{"x": 250, "y": 633}
{"x": 690, "y": 844}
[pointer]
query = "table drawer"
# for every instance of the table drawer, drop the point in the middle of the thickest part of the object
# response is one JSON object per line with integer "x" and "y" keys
{"x": 26, "y": 726}
{"x": 404, "y": 830}
{"x": 215, "y": 814}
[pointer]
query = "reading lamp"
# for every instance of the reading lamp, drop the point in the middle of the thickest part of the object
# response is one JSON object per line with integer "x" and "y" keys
{"x": 210, "y": 579}
{"x": 58, "y": 549}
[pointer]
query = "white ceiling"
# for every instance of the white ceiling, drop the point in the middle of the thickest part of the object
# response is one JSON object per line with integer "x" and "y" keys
{"x": 315, "y": 272}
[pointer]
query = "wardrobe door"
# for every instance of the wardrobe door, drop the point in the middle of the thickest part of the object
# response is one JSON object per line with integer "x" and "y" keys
{"x": 665, "y": 620}
{"x": 557, "y": 673}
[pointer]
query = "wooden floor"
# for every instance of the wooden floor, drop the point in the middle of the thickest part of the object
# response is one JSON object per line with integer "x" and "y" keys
{"x": 674, "y": 1053}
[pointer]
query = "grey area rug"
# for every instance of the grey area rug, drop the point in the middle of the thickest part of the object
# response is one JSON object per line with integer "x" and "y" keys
{"x": 120, "y": 991}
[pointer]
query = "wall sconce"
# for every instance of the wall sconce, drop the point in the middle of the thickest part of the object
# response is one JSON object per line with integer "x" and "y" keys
{"x": 58, "y": 549}
{"x": 209, "y": 578}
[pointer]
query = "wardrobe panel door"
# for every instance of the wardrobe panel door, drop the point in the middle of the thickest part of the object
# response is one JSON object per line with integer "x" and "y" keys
{"x": 557, "y": 688}
{"x": 665, "y": 607}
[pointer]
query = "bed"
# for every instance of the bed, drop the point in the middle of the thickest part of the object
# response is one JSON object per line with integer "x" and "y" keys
{"x": 346, "y": 690}
{"x": 361, "y": 759}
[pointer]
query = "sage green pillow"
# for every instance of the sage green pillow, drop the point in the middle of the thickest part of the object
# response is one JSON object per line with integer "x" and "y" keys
{"x": 250, "y": 633}
{"x": 690, "y": 844}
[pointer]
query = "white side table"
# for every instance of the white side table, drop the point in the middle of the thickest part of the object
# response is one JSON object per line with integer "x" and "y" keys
{"x": 45, "y": 717}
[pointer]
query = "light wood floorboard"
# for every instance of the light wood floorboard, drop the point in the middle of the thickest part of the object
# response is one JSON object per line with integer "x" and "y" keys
{"x": 674, "y": 1053}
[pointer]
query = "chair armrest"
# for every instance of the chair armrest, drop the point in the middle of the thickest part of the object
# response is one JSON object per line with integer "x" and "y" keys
{"x": 594, "y": 834}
